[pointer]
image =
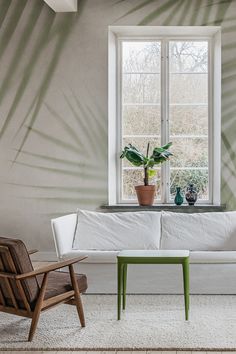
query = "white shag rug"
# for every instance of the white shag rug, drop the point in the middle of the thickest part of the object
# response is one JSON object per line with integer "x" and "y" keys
{"x": 150, "y": 322}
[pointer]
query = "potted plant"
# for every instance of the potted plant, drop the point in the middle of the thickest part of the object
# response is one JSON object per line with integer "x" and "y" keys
{"x": 146, "y": 192}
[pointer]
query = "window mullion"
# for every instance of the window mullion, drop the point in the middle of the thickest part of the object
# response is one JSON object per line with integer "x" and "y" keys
{"x": 119, "y": 112}
{"x": 165, "y": 117}
{"x": 210, "y": 122}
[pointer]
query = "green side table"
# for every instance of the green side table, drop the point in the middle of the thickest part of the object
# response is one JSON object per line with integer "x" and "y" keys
{"x": 150, "y": 257}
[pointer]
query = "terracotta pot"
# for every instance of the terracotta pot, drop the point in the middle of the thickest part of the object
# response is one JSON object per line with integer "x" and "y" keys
{"x": 146, "y": 194}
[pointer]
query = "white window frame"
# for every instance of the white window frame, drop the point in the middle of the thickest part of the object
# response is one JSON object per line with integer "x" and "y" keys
{"x": 117, "y": 34}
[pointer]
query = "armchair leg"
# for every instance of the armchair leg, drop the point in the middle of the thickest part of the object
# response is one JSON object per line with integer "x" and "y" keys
{"x": 34, "y": 323}
{"x": 78, "y": 300}
{"x": 38, "y": 308}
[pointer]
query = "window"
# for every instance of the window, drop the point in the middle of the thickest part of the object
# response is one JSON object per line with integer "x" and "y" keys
{"x": 165, "y": 92}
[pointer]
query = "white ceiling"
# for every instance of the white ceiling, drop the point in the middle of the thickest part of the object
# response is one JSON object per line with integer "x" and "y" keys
{"x": 62, "y": 5}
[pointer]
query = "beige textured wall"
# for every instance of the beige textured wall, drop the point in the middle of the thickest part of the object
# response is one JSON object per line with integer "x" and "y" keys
{"x": 53, "y": 104}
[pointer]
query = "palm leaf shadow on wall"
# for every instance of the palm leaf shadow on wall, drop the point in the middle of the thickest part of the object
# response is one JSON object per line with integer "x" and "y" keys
{"x": 32, "y": 61}
{"x": 205, "y": 13}
{"x": 42, "y": 90}
{"x": 83, "y": 167}
{"x": 53, "y": 31}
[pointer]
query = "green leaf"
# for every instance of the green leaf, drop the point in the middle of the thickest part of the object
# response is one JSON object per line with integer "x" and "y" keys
{"x": 151, "y": 173}
{"x": 167, "y": 146}
{"x": 133, "y": 155}
{"x": 161, "y": 154}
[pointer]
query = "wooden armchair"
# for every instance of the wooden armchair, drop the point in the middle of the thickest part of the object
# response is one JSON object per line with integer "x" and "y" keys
{"x": 27, "y": 292}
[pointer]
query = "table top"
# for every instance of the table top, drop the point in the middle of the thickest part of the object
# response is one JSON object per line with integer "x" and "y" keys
{"x": 154, "y": 253}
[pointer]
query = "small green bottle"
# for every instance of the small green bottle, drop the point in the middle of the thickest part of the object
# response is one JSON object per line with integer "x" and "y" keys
{"x": 178, "y": 197}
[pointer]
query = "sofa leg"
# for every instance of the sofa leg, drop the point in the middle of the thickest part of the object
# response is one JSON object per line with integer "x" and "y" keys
{"x": 78, "y": 301}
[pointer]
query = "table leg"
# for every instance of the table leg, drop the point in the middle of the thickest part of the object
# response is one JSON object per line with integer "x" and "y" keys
{"x": 124, "y": 284}
{"x": 119, "y": 287}
{"x": 186, "y": 286}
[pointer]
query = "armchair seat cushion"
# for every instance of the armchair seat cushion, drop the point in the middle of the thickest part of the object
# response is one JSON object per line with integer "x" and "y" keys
{"x": 60, "y": 282}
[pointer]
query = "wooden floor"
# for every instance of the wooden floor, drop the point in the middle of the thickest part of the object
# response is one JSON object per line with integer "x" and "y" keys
{"x": 116, "y": 352}
{"x": 37, "y": 265}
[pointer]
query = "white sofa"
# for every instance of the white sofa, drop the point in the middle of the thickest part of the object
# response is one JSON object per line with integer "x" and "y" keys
{"x": 210, "y": 237}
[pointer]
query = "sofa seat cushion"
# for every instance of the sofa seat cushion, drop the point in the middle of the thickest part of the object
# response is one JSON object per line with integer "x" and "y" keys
{"x": 93, "y": 256}
{"x": 195, "y": 256}
{"x": 60, "y": 282}
{"x": 212, "y": 257}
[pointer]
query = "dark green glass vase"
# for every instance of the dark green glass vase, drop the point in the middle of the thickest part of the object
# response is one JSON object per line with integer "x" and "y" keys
{"x": 178, "y": 197}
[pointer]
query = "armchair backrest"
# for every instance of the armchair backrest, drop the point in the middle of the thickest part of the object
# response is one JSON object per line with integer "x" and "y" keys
{"x": 15, "y": 259}
{"x": 63, "y": 229}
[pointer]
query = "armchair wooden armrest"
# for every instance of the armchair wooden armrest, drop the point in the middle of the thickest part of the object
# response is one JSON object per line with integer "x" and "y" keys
{"x": 7, "y": 275}
{"x": 50, "y": 268}
{"x": 32, "y": 251}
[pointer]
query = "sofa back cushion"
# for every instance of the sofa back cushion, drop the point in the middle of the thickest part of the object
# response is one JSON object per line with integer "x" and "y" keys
{"x": 199, "y": 231}
{"x": 117, "y": 231}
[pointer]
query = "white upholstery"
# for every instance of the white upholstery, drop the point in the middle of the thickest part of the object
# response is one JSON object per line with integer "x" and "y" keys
{"x": 212, "y": 257}
{"x": 63, "y": 229}
{"x": 197, "y": 257}
{"x": 93, "y": 256}
{"x": 199, "y": 231}
{"x": 212, "y": 272}
{"x": 117, "y": 231}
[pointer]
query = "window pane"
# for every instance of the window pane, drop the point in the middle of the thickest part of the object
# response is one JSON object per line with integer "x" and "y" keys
{"x": 141, "y": 120}
{"x": 189, "y": 120}
{"x": 141, "y": 56}
{"x": 188, "y": 88}
{"x": 141, "y": 98}
{"x": 141, "y": 88}
{"x": 134, "y": 177}
{"x": 189, "y": 152}
{"x": 189, "y": 56}
{"x": 188, "y": 115}
{"x": 182, "y": 178}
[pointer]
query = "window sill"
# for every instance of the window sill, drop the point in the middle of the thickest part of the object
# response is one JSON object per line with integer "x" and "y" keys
{"x": 198, "y": 208}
